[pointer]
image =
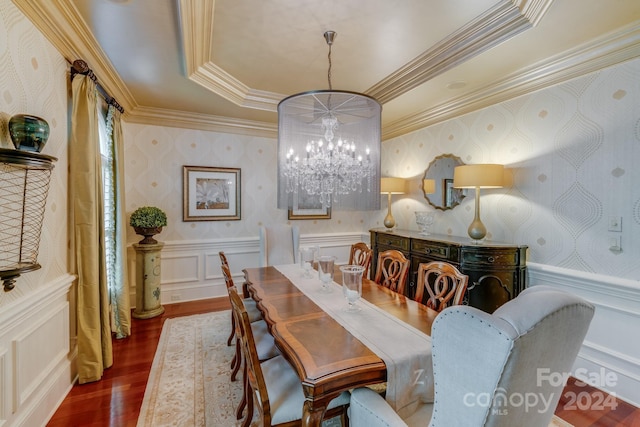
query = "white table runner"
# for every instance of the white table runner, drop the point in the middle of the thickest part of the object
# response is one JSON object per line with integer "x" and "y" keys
{"x": 405, "y": 350}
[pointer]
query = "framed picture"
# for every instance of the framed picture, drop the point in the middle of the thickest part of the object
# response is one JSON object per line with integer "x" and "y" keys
{"x": 210, "y": 194}
{"x": 306, "y": 206}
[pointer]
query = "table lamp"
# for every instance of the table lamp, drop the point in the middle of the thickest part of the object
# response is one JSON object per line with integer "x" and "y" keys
{"x": 478, "y": 176}
{"x": 389, "y": 186}
{"x": 429, "y": 186}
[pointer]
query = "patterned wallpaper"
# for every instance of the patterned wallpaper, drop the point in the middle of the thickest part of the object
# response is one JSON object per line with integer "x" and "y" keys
{"x": 571, "y": 152}
{"x": 155, "y": 157}
{"x": 33, "y": 80}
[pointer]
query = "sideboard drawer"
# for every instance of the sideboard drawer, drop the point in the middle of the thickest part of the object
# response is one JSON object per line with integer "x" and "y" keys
{"x": 433, "y": 249}
{"x": 397, "y": 242}
{"x": 490, "y": 257}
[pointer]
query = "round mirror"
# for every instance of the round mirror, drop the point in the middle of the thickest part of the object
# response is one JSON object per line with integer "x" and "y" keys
{"x": 438, "y": 183}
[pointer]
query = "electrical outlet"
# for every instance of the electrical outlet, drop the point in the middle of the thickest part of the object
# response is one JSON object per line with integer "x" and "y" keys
{"x": 614, "y": 243}
{"x": 175, "y": 297}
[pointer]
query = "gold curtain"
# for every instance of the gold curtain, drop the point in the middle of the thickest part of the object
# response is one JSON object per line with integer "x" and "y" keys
{"x": 86, "y": 233}
{"x": 120, "y": 301}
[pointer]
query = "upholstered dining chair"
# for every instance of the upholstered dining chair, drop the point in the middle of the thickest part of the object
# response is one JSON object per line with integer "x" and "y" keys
{"x": 360, "y": 254}
{"x": 265, "y": 345}
{"x": 279, "y": 244}
{"x": 488, "y": 367}
{"x": 274, "y": 383}
{"x": 392, "y": 270}
{"x": 440, "y": 285}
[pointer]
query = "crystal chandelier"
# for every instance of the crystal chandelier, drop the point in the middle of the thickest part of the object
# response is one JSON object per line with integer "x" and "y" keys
{"x": 329, "y": 148}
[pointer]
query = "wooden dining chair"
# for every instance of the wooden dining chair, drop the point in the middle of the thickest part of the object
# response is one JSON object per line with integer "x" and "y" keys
{"x": 274, "y": 383}
{"x": 392, "y": 270}
{"x": 254, "y": 312}
{"x": 264, "y": 343}
{"x": 361, "y": 255}
{"x": 440, "y": 285}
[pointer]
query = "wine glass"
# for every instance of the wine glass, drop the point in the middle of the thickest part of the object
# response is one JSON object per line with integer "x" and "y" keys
{"x": 307, "y": 256}
{"x": 352, "y": 285}
{"x": 325, "y": 271}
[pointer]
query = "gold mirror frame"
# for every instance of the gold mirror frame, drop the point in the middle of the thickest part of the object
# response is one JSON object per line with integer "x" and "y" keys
{"x": 440, "y": 170}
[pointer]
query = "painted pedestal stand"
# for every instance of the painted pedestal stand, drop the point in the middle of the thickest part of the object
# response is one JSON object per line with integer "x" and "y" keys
{"x": 148, "y": 281}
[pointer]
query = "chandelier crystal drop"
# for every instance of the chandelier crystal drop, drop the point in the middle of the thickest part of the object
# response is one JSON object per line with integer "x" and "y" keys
{"x": 329, "y": 149}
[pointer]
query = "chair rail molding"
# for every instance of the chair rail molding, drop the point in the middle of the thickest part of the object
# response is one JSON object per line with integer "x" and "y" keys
{"x": 37, "y": 354}
{"x": 617, "y": 318}
{"x": 191, "y": 268}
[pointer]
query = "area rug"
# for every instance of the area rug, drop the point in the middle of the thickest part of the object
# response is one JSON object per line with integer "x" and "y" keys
{"x": 189, "y": 383}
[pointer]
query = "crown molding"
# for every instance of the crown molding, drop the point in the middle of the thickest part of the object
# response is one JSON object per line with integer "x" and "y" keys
{"x": 61, "y": 23}
{"x": 222, "y": 83}
{"x": 496, "y": 25}
{"x": 603, "y": 52}
{"x": 196, "y": 17}
{"x": 533, "y": 10}
{"x": 503, "y": 21}
{"x": 197, "y": 121}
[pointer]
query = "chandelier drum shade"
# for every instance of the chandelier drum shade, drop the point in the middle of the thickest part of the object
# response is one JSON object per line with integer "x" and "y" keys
{"x": 329, "y": 148}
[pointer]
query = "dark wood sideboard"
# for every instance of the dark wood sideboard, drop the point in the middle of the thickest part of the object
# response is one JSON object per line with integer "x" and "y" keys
{"x": 497, "y": 271}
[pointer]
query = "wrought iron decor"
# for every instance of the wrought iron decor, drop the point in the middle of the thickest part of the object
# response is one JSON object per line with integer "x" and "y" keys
{"x": 24, "y": 185}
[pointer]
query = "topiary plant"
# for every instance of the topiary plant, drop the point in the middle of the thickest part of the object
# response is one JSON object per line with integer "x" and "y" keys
{"x": 148, "y": 217}
{"x": 147, "y": 221}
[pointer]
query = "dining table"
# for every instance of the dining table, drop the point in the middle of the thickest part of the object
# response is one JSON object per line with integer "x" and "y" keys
{"x": 315, "y": 332}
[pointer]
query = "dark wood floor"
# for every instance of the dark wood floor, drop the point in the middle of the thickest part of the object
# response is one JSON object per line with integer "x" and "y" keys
{"x": 115, "y": 400}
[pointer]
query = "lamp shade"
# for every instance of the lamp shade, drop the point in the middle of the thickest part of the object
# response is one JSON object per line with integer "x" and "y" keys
{"x": 389, "y": 185}
{"x": 329, "y": 150}
{"x": 429, "y": 186}
{"x": 479, "y": 175}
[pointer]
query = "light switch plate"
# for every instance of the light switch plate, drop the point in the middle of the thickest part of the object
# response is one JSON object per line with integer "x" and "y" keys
{"x": 615, "y": 223}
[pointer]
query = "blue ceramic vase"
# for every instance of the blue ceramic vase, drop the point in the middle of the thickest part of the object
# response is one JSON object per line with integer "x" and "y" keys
{"x": 28, "y": 133}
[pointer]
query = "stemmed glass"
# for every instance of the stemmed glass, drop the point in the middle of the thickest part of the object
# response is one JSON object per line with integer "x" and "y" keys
{"x": 325, "y": 271}
{"x": 307, "y": 256}
{"x": 352, "y": 285}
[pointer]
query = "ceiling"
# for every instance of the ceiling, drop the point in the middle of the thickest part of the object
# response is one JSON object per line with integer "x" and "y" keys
{"x": 224, "y": 65}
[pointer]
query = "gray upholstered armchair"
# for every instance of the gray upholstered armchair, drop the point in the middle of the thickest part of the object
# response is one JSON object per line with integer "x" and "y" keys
{"x": 279, "y": 244}
{"x": 497, "y": 369}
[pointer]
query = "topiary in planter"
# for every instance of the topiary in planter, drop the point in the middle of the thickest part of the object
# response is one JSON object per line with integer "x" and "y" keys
{"x": 148, "y": 221}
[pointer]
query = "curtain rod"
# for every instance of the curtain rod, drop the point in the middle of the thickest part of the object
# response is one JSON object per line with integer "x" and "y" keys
{"x": 80, "y": 67}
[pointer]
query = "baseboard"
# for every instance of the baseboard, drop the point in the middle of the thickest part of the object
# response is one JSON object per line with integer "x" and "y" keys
{"x": 610, "y": 348}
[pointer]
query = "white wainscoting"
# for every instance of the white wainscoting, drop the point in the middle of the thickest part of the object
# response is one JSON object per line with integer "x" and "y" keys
{"x": 190, "y": 270}
{"x": 36, "y": 367}
{"x": 612, "y": 344}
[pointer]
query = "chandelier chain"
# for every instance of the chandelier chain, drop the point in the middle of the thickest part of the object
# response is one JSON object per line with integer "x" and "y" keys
{"x": 329, "y": 71}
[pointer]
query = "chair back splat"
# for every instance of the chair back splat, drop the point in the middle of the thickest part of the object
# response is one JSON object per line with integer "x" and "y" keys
{"x": 361, "y": 255}
{"x": 440, "y": 285}
{"x": 392, "y": 270}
